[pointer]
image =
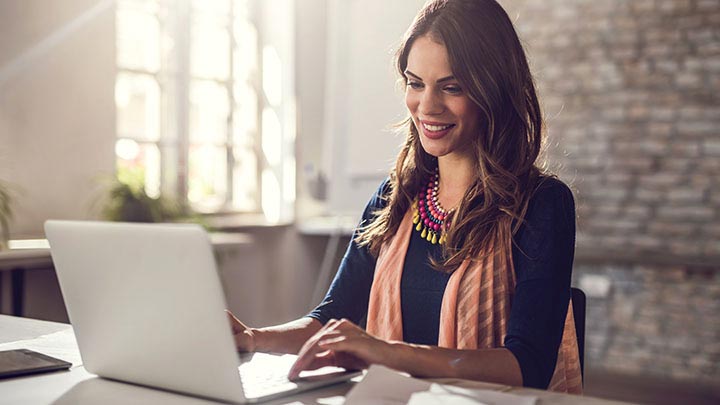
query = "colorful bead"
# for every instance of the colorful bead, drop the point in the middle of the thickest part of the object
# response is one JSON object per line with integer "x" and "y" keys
{"x": 428, "y": 215}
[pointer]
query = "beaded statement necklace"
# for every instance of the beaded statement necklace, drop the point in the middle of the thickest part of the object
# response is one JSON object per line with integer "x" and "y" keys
{"x": 428, "y": 216}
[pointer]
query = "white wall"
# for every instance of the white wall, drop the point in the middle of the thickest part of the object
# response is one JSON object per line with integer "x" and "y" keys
{"x": 57, "y": 126}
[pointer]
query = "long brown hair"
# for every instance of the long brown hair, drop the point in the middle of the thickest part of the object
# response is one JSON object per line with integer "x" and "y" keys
{"x": 489, "y": 62}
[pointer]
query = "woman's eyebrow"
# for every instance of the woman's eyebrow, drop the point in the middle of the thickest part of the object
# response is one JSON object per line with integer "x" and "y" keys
{"x": 416, "y": 77}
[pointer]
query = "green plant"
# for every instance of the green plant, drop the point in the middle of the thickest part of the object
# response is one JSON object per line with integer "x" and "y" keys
{"x": 6, "y": 213}
{"x": 128, "y": 201}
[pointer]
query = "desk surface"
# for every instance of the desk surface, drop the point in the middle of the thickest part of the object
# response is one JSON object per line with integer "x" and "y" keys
{"x": 77, "y": 386}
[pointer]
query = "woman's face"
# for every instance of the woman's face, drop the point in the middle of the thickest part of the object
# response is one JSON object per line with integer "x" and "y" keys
{"x": 444, "y": 116}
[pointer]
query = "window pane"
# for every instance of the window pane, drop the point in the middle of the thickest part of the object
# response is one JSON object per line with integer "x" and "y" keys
{"x": 271, "y": 197}
{"x": 272, "y": 76}
{"x": 138, "y": 36}
{"x": 207, "y": 177}
{"x": 245, "y": 192}
{"x": 246, "y": 50}
{"x": 138, "y": 165}
{"x": 209, "y": 109}
{"x": 245, "y": 121}
{"x": 271, "y": 137}
{"x": 210, "y": 47}
{"x": 214, "y": 6}
{"x": 137, "y": 98}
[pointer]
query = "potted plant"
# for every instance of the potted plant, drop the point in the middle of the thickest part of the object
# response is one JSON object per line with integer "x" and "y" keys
{"x": 127, "y": 201}
{"x": 6, "y": 214}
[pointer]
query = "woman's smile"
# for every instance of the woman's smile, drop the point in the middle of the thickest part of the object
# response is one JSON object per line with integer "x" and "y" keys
{"x": 435, "y": 130}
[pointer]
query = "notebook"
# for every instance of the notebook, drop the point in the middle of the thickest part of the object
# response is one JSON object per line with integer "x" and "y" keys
{"x": 147, "y": 307}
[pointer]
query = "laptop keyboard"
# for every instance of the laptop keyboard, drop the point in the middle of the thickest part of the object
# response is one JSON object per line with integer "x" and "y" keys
{"x": 266, "y": 375}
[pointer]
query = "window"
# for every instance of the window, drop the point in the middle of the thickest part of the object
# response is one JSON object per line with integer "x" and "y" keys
{"x": 203, "y": 101}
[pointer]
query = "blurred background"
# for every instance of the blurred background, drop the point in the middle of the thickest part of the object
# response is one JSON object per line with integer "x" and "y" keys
{"x": 270, "y": 123}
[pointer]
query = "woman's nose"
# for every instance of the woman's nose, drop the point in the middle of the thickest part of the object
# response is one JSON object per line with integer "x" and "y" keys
{"x": 431, "y": 103}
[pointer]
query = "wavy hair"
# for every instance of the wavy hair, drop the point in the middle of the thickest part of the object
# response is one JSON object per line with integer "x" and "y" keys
{"x": 489, "y": 62}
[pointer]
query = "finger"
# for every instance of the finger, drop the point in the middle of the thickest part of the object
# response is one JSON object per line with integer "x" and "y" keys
{"x": 305, "y": 357}
{"x": 338, "y": 343}
{"x": 322, "y": 359}
{"x": 332, "y": 324}
{"x": 235, "y": 323}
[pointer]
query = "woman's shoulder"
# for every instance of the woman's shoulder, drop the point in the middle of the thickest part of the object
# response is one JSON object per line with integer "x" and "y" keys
{"x": 549, "y": 187}
{"x": 380, "y": 197}
{"x": 552, "y": 199}
{"x": 551, "y": 192}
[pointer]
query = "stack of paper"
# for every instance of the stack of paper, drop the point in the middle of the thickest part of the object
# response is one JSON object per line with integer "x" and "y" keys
{"x": 384, "y": 386}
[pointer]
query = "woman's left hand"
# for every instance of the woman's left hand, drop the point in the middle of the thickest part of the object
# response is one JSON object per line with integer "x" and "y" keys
{"x": 339, "y": 343}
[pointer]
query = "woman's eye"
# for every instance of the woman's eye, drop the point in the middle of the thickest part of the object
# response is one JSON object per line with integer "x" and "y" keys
{"x": 415, "y": 85}
{"x": 453, "y": 89}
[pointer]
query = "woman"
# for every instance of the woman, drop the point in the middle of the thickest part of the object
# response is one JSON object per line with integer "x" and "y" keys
{"x": 462, "y": 265}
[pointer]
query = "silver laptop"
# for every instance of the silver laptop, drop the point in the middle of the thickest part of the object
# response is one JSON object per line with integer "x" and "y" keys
{"x": 147, "y": 307}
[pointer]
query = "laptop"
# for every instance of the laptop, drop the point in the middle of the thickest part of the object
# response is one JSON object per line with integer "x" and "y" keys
{"x": 147, "y": 307}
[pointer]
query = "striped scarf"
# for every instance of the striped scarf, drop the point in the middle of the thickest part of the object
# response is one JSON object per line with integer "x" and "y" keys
{"x": 475, "y": 307}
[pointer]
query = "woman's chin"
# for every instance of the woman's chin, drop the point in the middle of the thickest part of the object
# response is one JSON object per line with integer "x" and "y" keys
{"x": 435, "y": 150}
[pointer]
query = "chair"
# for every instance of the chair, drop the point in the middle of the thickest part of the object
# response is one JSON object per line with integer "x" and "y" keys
{"x": 579, "y": 302}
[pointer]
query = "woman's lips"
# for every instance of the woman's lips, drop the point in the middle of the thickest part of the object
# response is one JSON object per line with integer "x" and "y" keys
{"x": 435, "y": 130}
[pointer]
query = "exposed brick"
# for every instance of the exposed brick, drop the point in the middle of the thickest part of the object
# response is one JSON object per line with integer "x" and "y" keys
{"x": 677, "y": 165}
{"x": 659, "y": 129}
{"x": 687, "y": 213}
{"x": 686, "y": 148}
{"x": 707, "y": 5}
{"x": 638, "y": 84}
{"x": 637, "y": 212}
{"x": 674, "y": 6}
{"x": 712, "y": 230}
{"x": 688, "y": 81}
{"x": 697, "y": 128}
{"x": 642, "y": 6}
{"x": 711, "y": 147}
{"x": 672, "y": 229}
{"x": 709, "y": 48}
{"x": 661, "y": 180}
{"x": 686, "y": 195}
{"x": 646, "y": 242}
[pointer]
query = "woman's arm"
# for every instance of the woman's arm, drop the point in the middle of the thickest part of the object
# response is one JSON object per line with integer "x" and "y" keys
{"x": 347, "y": 297}
{"x": 342, "y": 343}
{"x": 286, "y": 338}
{"x": 543, "y": 260}
{"x": 499, "y": 365}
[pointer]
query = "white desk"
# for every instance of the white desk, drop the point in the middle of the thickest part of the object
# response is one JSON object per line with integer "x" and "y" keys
{"x": 77, "y": 386}
{"x": 34, "y": 254}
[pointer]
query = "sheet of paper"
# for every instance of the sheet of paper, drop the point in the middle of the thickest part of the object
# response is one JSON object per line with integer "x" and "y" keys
{"x": 61, "y": 345}
{"x": 448, "y": 395}
{"x": 384, "y": 386}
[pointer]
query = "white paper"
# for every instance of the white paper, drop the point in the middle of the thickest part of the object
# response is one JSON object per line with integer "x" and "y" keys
{"x": 449, "y": 395}
{"x": 384, "y": 386}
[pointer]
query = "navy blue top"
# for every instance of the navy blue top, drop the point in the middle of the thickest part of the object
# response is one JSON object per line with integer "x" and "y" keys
{"x": 542, "y": 256}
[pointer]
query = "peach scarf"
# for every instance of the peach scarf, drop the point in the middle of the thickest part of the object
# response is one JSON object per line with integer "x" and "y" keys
{"x": 475, "y": 307}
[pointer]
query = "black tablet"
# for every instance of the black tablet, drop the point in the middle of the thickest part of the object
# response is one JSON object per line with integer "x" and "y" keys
{"x": 23, "y": 361}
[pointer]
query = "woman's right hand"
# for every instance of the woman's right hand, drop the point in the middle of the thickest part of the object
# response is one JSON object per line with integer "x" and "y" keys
{"x": 244, "y": 336}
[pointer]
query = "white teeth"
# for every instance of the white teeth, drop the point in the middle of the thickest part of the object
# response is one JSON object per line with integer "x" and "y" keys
{"x": 435, "y": 128}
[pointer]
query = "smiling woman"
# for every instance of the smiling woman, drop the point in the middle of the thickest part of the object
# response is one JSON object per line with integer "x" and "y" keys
{"x": 461, "y": 265}
{"x": 439, "y": 107}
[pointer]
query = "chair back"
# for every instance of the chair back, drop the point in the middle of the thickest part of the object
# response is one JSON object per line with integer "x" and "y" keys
{"x": 579, "y": 303}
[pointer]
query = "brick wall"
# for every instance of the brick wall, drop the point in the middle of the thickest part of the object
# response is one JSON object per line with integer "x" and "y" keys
{"x": 630, "y": 93}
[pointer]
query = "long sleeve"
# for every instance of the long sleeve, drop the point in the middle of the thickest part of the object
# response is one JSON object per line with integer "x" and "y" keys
{"x": 349, "y": 292}
{"x": 543, "y": 258}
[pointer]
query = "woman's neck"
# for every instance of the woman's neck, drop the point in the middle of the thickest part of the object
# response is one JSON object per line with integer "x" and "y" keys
{"x": 456, "y": 176}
